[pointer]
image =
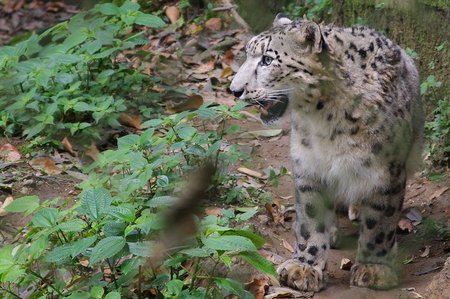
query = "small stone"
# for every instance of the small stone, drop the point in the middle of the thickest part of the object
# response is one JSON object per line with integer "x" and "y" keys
{"x": 346, "y": 264}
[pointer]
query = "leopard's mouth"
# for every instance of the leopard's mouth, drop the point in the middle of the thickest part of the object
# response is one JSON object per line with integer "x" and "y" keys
{"x": 271, "y": 110}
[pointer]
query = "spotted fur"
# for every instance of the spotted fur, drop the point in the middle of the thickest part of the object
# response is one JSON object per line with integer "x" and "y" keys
{"x": 357, "y": 132}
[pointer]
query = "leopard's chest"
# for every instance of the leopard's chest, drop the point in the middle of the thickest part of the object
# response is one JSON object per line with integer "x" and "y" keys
{"x": 342, "y": 163}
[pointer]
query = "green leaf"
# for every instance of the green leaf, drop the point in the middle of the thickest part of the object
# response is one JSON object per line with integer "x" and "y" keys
{"x": 162, "y": 201}
{"x": 259, "y": 262}
{"x": 234, "y": 287}
{"x": 74, "y": 225}
{"x": 108, "y": 9}
{"x": 258, "y": 241}
{"x": 34, "y": 130}
{"x": 129, "y": 6}
{"x": 229, "y": 243}
{"x": 95, "y": 202}
{"x": 149, "y": 21}
{"x": 45, "y": 218}
{"x": 6, "y": 258}
{"x": 173, "y": 288}
{"x": 113, "y": 295}
{"x": 74, "y": 39}
{"x": 26, "y": 204}
{"x": 106, "y": 248}
{"x": 186, "y": 132}
{"x": 196, "y": 252}
{"x": 97, "y": 292}
{"x": 81, "y": 245}
{"x": 144, "y": 248}
{"x": 58, "y": 253}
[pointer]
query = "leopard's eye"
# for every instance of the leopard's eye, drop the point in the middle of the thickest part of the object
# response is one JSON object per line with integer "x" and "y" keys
{"x": 266, "y": 60}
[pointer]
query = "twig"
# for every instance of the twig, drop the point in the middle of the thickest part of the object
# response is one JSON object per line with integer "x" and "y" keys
{"x": 427, "y": 271}
{"x": 223, "y": 8}
{"x": 4, "y": 165}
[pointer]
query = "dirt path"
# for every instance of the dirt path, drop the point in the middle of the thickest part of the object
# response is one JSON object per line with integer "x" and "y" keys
{"x": 422, "y": 195}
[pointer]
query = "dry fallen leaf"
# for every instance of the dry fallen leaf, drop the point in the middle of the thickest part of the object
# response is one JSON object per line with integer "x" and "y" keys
{"x": 68, "y": 146}
{"x": 192, "y": 103}
{"x": 130, "y": 120}
{"x": 214, "y": 24}
{"x": 275, "y": 212}
{"x": 426, "y": 251}
{"x": 405, "y": 225}
{"x": 173, "y": 13}
{"x": 6, "y": 202}
{"x": 92, "y": 152}
{"x": 282, "y": 292}
{"x": 262, "y": 133}
{"x": 9, "y": 153}
{"x": 46, "y": 165}
{"x": 205, "y": 67}
{"x": 288, "y": 246}
{"x": 258, "y": 286}
{"x": 84, "y": 262}
{"x": 214, "y": 211}
{"x": 250, "y": 172}
{"x": 226, "y": 72}
{"x": 228, "y": 57}
{"x": 346, "y": 264}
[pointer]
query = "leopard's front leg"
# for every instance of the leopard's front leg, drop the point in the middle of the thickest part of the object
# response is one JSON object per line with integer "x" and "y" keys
{"x": 377, "y": 244}
{"x": 315, "y": 216}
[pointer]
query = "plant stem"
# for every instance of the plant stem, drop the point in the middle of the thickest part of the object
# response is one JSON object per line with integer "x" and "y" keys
{"x": 194, "y": 276}
{"x": 210, "y": 279}
{"x": 10, "y": 292}
{"x": 45, "y": 281}
{"x": 113, "y": 273}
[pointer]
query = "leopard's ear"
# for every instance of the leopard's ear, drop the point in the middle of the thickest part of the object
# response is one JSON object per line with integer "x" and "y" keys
{"x": 310, "y": 35}
{"x": 281, "y": 19}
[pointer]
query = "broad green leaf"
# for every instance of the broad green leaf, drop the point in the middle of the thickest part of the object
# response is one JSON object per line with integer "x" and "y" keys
{"x": 259, "y": 262}
{"x": 97, "y": 292}
{"x": 122, "y": 213}
{"x": 81, "y": 245}
{"x": 106, "y": 248}
{"x": 234, "y": 287}
{"x": 149, "y": 20}
{"x": 74, "y": 225}
{"x": 258, "y": 241}
{"x": 58, "y": 253}
{"x": 112, "y": 228}
{"x": 229, "y": 243}
{"x": 75, "y": 39}
{"x": 144, "y": 248}
{"x": 162, "y": 201}
{"x": 186, "y": 132}
{"x": 95, "y": 202}
{"x": 13, "y": 274}
{"x": 92, "y": 46}
{"x": 196, "y": 252}
{"x": 34, "y": 130}
{"x": 129, "y": 7}
{"x": 173, "y": 288}
{"x": 26, "y": 204}
{"x": 108, "y": 9}
{"x": 113, "y": 295}
{"x": 127, "y": 141}
{"x": 78, "y": 295}
{"x": 6, "y": 258}
{"x": 45, "y": 217}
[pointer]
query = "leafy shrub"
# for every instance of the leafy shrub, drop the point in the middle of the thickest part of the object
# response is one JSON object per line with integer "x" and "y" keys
{"x": 64, "y": 81}
{"x": 101, "y": 244}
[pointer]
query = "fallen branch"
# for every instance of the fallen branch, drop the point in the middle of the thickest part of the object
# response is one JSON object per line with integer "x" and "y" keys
{"x": 238, "y": 19}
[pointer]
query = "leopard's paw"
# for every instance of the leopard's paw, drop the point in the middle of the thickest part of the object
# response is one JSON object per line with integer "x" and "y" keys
{"x": 374, "y": 276}
{"x": 299, "y": 276}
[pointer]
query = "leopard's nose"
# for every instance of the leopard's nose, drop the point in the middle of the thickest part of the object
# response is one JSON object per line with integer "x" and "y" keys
{"x": 237, "y": 93}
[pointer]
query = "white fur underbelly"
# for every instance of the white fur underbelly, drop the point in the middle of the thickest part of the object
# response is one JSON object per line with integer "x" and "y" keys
{"x": 342, "y": 172}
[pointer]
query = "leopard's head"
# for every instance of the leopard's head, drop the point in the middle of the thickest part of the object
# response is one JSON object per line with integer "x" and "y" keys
{"x": 280, "y": 62}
